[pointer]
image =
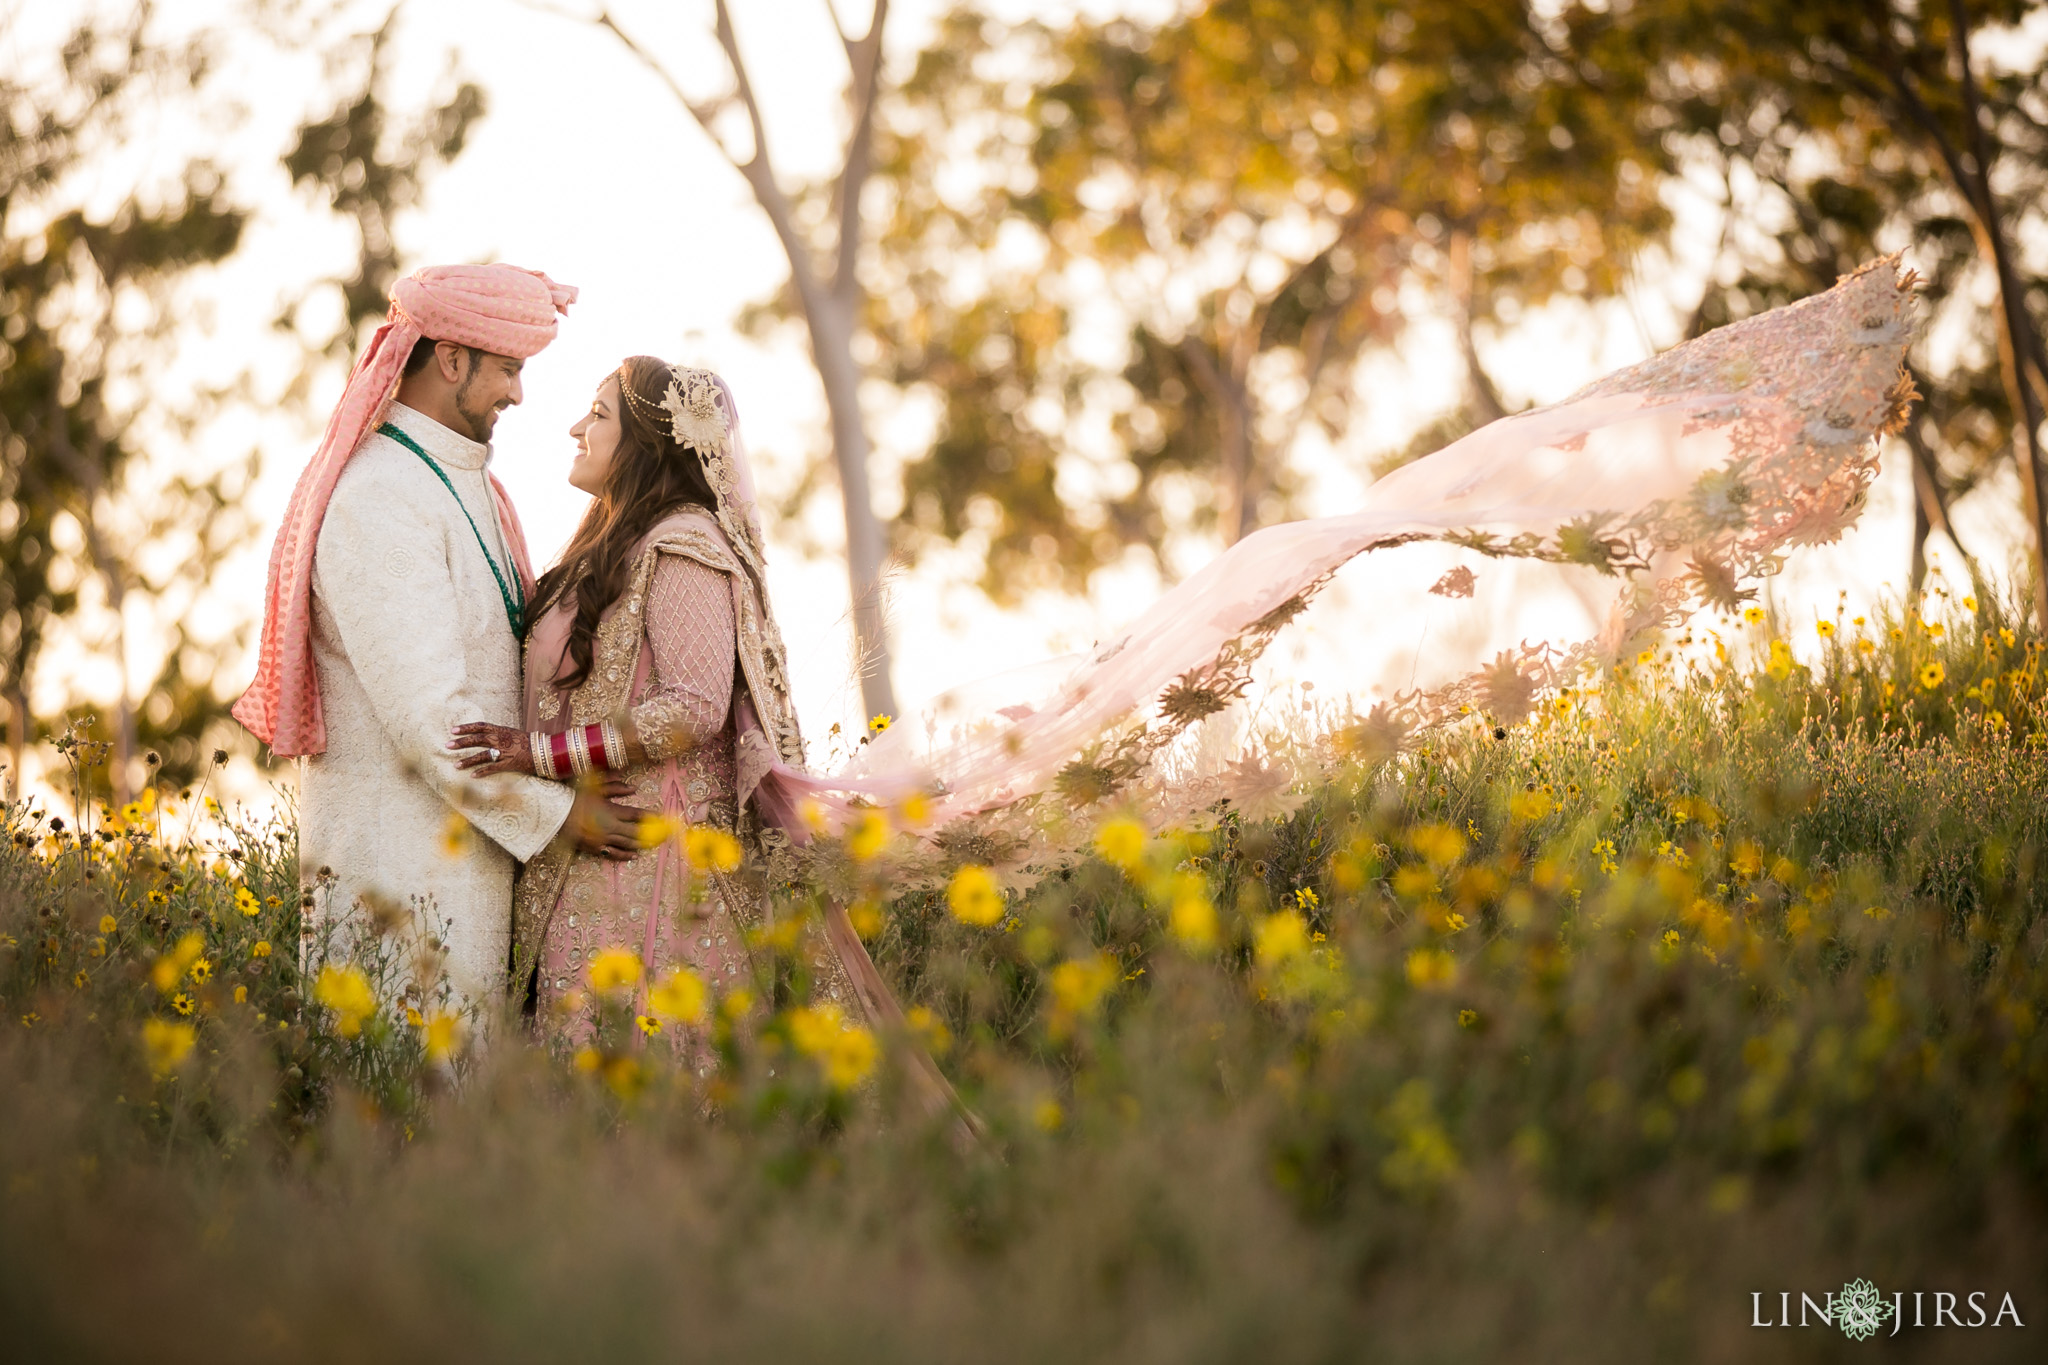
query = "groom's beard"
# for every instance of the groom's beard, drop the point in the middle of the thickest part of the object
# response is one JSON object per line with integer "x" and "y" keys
{"x": 479, "y": 420}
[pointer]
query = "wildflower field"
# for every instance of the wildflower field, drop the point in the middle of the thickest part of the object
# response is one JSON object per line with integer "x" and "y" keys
{"x": 1552, "y": 1037}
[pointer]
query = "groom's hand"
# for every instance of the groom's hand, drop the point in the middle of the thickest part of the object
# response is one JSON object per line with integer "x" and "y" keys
{"x": 600, "y": 826}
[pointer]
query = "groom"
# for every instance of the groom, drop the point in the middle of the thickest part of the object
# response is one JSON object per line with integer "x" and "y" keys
{"x": 395, "y": 610}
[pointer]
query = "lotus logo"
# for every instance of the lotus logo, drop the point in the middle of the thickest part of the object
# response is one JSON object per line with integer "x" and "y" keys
{"x": 1860, "y": 1310}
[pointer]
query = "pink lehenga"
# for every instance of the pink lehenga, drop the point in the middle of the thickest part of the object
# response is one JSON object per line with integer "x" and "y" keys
{"x": 673, "y": 654}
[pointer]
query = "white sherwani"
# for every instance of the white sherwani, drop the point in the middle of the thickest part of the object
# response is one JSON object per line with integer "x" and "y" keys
{"x": 410, "y": 639}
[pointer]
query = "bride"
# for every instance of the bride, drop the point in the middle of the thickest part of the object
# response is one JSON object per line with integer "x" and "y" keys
{"x": 654, "y": 658}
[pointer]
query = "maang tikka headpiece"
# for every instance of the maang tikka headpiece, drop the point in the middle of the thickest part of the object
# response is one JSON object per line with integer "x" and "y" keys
{"x": 699, "y": 419}
{"x": 696, "y": 416}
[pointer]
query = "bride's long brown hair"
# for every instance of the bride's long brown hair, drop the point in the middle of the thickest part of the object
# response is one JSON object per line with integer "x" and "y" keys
{"x": 650, "y": 477}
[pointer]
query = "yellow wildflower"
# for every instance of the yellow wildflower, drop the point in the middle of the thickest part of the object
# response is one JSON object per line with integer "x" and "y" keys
{"x": 1280, "y": 939}
{"x": 1439, "y": 845}
{"x": 1753, "y": 615}
{"x": 864, "y": 917}
{"x": 868, "y": 837}
{"x": 1048, "y": 1115}
{"x": 166, "y": 1044}
{"x": 622, "y": 1075}
{"x": 241, "y": 995}
{"x": 588, "y": 1059}
{"x": 2006, "y": 637}
{"x": 877, "y": 724}
{"x": 1467, "y": 1018}
{"x": 1825, "y": 629}
{"x": 346, "y": 991}
{"x": 658, "y": 829}
{"x": 201, "y": 971}
{"x": 711, "y": 849}
{"x": 107, "y": 924}
{"x": 613, "y": 969}
{"x": 1192, "y": 917}
{"x": 1931, "y": 675}
{"x": 916, "y": 809}
{"x": 260, "y": 948}
{"x": 1078, "y": 985}
{"x": 1121, "y": 842}
{"x": 444, "y": 1035}
{"x": 845, "y": 1051}
{"x": 929, "y": 1030}
{"x": 81, "y": 980}
{"x": 246, "y": 902}
{"x": 182, "y": 1003}
{"x": 973, "y": 897}
{"x": 170, "y": 968}
{"x": 681, "y": 995}
{"x": 647, "y": 1024}
{"x": 1970, "y": 605}
{"x": 1431, "y": 968}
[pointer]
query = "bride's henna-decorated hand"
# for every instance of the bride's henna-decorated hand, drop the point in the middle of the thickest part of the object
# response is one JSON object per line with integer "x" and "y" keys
{"x": 598, "y": 825}
{"x": 513, "y": 750}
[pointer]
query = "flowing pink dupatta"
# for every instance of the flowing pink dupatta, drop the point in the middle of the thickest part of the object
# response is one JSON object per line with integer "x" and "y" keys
{"x": 1680, "y": 480}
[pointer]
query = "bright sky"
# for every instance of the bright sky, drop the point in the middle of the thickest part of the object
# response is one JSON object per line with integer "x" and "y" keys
{"x": 586, "y": 168}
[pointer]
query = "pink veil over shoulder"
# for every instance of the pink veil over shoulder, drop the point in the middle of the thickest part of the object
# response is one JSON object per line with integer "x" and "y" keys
{"x": 1677, "y": 482}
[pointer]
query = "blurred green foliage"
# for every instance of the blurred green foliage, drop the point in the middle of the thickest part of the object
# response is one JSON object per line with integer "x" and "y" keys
{"x": 1262, "y": 195}
{"x": 110, "y": 497}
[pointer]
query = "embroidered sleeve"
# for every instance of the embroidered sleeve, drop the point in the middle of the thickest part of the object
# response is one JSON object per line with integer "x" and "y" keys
{"x": 690, "y": 633}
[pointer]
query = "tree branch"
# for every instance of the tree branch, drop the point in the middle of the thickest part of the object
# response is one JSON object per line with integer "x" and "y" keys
{"x": 864, "y": 57}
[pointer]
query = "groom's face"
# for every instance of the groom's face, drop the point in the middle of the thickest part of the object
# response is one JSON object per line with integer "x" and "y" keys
{"x": 486, "y": 385}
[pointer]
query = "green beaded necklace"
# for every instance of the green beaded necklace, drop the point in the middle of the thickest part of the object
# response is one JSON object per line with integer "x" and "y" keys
{"x": 515, "y": 612}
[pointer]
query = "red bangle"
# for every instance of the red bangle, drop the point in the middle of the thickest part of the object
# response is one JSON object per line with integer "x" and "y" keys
{"x": 596, "y": 748}
{"x": 558, "y": 750}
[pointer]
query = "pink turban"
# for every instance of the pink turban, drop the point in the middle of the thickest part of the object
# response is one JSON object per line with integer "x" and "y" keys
{"x": 496, "y": 308}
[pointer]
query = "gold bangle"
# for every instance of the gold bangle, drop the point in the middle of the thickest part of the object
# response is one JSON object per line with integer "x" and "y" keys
{"x": 543, "y": 754}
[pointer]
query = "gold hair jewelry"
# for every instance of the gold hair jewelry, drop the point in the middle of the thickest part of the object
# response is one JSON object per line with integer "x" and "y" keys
{"x": 649, "y": 413}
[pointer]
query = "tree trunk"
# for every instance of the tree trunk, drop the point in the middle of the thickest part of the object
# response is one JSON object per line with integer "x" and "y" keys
{"x": 832, "y": 353}
{"x": 1229, "y": 392}
{"x": 1930, "y": 509}
{"x": 2014, "y": 332}
{"x": 1480, "y": 393}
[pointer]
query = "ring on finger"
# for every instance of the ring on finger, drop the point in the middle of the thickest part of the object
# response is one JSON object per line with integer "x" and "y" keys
{"x": 494, "y": 755}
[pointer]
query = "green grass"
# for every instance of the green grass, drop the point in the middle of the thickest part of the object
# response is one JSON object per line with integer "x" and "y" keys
{"x": 1556, "y": 1044}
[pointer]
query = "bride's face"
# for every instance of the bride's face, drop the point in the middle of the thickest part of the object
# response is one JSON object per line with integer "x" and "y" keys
{"x": 597, "y": 437}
